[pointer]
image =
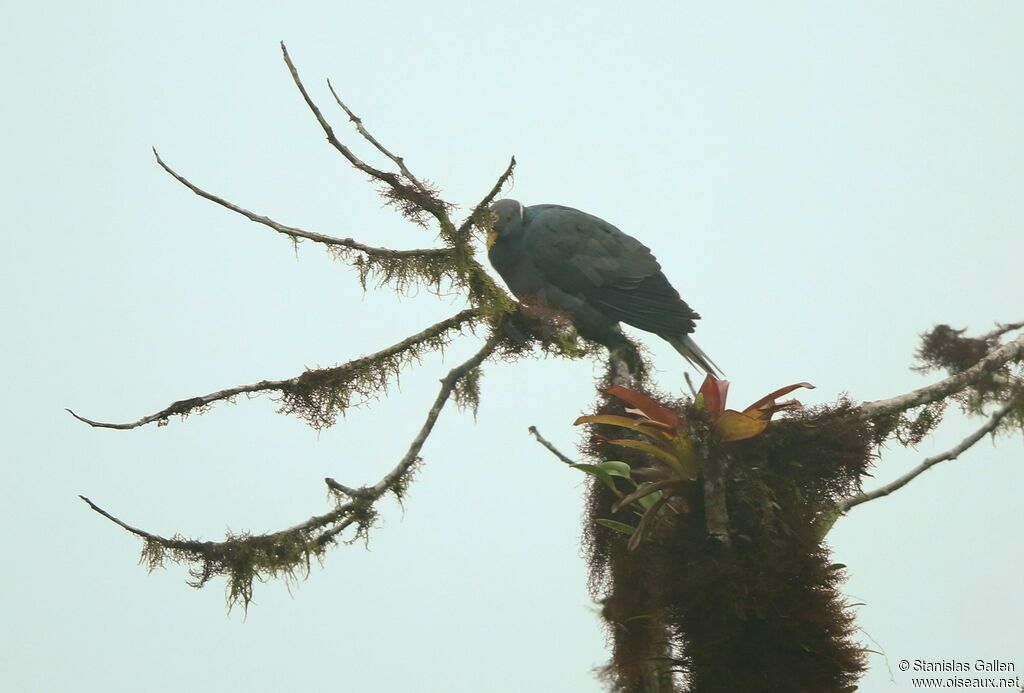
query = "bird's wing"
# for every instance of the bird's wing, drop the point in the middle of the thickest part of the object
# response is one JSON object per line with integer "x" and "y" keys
{"x": 580, "y": 252}
{"x": 586, "y": 256}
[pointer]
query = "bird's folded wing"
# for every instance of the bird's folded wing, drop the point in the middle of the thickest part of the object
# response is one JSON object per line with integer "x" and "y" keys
{"x": 588, "y": 257}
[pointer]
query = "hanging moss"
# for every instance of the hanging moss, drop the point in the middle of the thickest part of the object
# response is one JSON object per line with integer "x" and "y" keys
{"x": 318, "y": 396}
{"x": 467, "y": 391}
{"x": 402, "y": 272}
{"x": 241, "y": 558}
{"x": 761, "y": 614}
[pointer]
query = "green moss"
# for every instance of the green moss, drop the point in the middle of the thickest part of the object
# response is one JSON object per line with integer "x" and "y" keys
{"x": 241, "y": 559}
{"x": 467, "y": 391}
{"x": 318, "y": 396}
{"x": 403, "y": 273}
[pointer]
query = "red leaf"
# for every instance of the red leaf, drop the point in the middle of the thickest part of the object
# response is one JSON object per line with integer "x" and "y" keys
{"x": 715, "y": 392}
{"x": 768, "y": 400}
{"x": 645, "y": 404}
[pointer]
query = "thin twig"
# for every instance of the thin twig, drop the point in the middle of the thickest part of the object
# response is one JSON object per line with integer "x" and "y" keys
{"x": 473, "y": 217}
{"x": 134, "y": 530}
{"x": 425, "y": 201}
{"x": 996, "y": 359}
{"x": 186, "y": 406}
{"x": 297, "y": 233}
{"x": 544, "y": 441}
{"x": 399, "y": 161}
{"x": 951, "y": 454}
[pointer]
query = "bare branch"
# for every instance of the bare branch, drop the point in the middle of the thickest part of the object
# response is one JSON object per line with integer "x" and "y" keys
{"x": 474, "y": 216}
{"x": 1000, "y": 330}
{"x": 554, "y": 451}
{"x": 399, "y": 161}
{"x": 996, "y": 359}
{"x": 298, "y": 234}
{"x": 425, "y": 201}
{"x": 121, "y": 523}
{"x": 964, "y": 445}
{"x": 337, "y": 376}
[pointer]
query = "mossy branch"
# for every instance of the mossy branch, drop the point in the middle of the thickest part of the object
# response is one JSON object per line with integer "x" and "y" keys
{"x": 400, "y": 268}
{"x": 319, "y": 395}
{"x": 411, "y": 199}
{"x": 990, "y": 363}
{"x": 416, "y": 199}
{"x": 244, "y": 558}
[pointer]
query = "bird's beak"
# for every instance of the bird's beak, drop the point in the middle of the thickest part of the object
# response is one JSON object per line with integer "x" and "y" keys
{"x": 492, "y": 238}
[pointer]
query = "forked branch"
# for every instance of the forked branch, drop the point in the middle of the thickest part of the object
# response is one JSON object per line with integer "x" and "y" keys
{"x": 418, "y": 196}
{"x": 951, "y": 454}
{"x": 358, "y": 122}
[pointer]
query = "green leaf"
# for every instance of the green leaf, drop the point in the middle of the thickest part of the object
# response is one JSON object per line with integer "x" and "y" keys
{"x": 616, "y": 468}
{"x": 621, "y": 527}
{"x": 647, "y": 447}
{"x": 647, "y": 501}
{"x": 646, "y": 490}
{"x": 599, "y": 473}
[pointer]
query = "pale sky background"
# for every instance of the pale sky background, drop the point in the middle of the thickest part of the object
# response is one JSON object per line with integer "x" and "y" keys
{"x": 822, "y": 181}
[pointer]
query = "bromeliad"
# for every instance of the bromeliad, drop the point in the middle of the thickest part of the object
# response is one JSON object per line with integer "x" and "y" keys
{"x": 674, "y": 443}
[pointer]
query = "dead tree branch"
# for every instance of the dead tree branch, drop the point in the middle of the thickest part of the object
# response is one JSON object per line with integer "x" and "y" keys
{"x": 426, "y": 201}
{"x": 358, "y": 122}
{"x": 951, "y": 454}
{"x": 550, "y": 446}
{"x": 376, "y": 260}
{"x": 340, "y": 380}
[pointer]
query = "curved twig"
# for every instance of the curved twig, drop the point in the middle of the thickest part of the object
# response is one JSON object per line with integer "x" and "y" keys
{"x": 951, "y": 454}
{"x": 296, "y": 233}
{"x": 358, "y": 122}
{"x": 312, "y": 524}
{"x": 550, "y": 446}
{"x": 426, "y": 201}
{"x": 186, "y": 406}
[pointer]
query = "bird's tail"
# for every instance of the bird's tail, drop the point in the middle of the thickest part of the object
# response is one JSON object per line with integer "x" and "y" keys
{"x": 695, "y": 355}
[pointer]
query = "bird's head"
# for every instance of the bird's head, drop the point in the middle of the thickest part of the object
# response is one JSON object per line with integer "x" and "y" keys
{"x": 505, "y": 214}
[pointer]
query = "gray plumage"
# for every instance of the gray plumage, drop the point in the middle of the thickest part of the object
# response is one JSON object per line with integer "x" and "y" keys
{"x": 576, "y": 263}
